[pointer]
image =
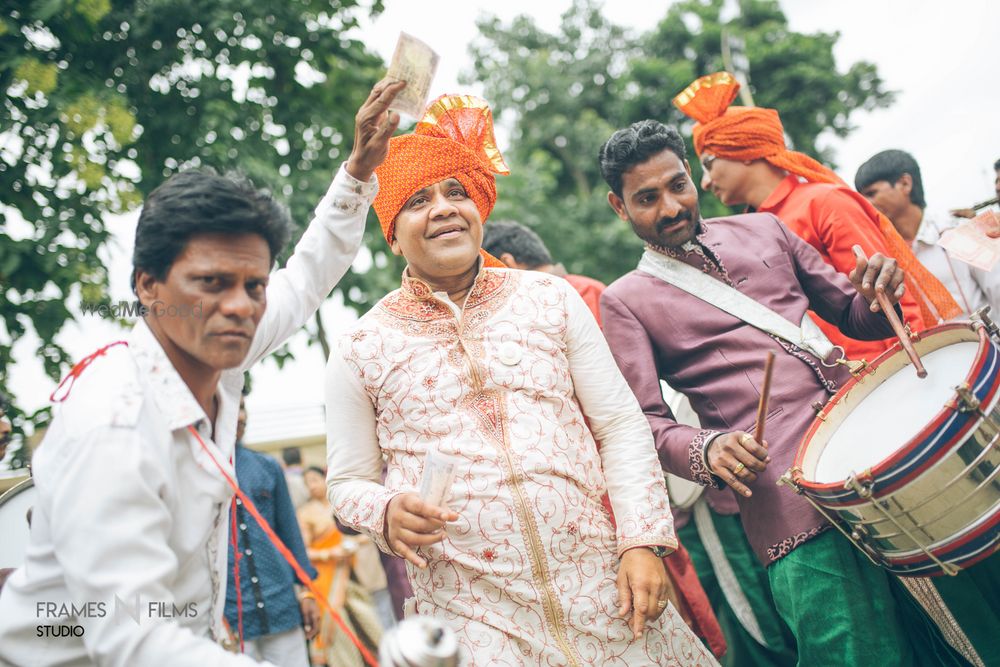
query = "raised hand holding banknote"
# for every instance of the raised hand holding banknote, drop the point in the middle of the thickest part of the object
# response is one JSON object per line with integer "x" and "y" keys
{"x": 373, "y": 126}
{"x": 415, "y": 63}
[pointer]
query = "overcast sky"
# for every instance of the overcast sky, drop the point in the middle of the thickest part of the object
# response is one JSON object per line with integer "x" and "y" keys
{"x": 936, "y": 55}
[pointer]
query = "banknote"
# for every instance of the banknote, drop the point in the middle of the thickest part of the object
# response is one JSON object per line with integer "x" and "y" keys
{"x": 439, "y": 473}
{"x": 969, "y": 242}
{"x": 413, "y": 62}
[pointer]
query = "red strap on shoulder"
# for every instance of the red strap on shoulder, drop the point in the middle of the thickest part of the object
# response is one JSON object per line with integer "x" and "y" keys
{"x": 77, "y": 370}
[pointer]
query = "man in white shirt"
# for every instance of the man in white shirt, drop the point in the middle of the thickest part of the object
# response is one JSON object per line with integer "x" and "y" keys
{"x": 891, "y": 181}
{"x": 127, "y": 560}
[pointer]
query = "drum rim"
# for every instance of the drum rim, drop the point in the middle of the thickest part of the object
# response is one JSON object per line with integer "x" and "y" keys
{"x": 886, "y": 464}
{"x": 18, "y": 488}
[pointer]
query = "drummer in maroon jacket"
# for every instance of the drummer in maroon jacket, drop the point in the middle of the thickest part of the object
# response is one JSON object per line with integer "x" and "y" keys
{"x": 838, "y": 605}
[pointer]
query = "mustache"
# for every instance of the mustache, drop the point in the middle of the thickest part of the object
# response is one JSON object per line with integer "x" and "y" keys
{"x": 667, "y": 222}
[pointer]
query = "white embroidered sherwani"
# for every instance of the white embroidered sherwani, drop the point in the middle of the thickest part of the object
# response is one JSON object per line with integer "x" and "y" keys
{"x": 527, "y": 575}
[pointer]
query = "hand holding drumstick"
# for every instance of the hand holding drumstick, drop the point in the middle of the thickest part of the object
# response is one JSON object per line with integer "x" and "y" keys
{"x": 738, "y": 457}
{"x": 884, "y": 295}
{"x": 878, "y": 271}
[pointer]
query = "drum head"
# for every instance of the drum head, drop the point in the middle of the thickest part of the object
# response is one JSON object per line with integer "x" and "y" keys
{"x": 14, "y": 507}
{"x": 895, "y": 412}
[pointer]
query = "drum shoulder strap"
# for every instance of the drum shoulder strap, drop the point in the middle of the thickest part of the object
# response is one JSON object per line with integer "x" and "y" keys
{"x": 806, "y": 336}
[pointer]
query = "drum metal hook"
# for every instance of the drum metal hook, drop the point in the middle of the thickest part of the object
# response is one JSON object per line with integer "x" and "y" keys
{"x": 861, "y": 484}
{"x": 864, "y": 489}
{"x": 855, "y": 536}
{"x": 981, "y": 316}
{"x": 968, "y": 402}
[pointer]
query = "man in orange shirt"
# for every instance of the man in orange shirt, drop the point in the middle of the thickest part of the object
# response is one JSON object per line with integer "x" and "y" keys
{"x": 519, "y": 247}
{"x": 745, "y": 161}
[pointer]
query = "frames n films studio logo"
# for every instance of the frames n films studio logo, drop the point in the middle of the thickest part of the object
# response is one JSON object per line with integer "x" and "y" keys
{"x": 64, "y": 619}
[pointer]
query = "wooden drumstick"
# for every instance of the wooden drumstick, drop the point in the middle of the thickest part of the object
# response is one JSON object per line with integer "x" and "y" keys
{"x": 765, "y": 391}
{"x": 900, "y": 331}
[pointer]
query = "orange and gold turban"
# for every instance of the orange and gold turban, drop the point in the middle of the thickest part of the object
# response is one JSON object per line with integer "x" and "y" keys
{"x": 755, "y": 133}
{"x": 743, "y": 133}
{"x": 454, "y": 139}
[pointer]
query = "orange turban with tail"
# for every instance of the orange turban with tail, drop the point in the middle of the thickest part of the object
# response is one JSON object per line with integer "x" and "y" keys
{"x": 454, "y": 139}
{"x": 755, "y": 133}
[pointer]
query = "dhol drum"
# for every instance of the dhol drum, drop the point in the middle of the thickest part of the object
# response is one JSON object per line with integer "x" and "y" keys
{"x": 907, "y": 468}
{"x": 14, "y": 506}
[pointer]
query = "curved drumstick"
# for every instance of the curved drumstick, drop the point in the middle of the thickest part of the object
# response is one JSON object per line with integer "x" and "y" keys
{"x": 765, "y": 391}
{"x": 900, "y": 331}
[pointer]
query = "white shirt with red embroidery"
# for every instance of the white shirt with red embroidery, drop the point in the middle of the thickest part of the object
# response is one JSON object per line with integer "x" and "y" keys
{"x": 128, "y": 539}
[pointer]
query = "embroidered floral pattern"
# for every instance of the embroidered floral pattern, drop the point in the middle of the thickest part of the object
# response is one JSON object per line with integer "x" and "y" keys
{"x": 785, "y": 546}
{"x": 696, "y": 459}
{"x": 533, "y": 559}
{"x": 711, "y": 263}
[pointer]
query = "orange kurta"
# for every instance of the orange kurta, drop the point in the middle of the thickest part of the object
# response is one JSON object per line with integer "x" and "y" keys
{"x": 590, "y": 290}
{"x": 832, "y": 219}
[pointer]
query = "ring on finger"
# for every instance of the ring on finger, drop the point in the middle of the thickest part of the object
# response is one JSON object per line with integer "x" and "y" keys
{"x": 662, "y": 604}
{"x": 745, "y": 438}
{"x": 739, "y": 468}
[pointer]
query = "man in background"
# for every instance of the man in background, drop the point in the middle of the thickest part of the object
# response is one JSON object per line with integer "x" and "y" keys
{"x": 273, "y": 620}
{"x": 291, "y": 459}
{"x": 891, "y": 181}
{"x": 746, "y": 162}
{"x": 521, "y": 248}
{"x": 972, "y": 212}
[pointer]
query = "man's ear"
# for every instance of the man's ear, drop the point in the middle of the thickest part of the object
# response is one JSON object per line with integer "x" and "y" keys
{"x": 508, "y": 260}
{"x": 146, "y": 286}
{"x": 905, "y": 183}
{"x": 618, "y": 205}
{"x": 687, "y": 168}
{"x": 394, "y": 247}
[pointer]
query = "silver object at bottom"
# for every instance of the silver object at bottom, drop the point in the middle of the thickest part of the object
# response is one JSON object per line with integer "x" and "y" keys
{"x": 419, "y": 641}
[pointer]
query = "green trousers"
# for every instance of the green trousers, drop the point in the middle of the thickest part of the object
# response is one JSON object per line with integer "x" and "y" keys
{"x": 843, "y": 610}
{"x": 744, "y": 649}
{"x": 966, "y": 608}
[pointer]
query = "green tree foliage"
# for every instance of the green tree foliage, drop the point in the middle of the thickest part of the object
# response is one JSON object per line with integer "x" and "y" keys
{"x": 106, "y": 98}
{"x": 563, "y": 94}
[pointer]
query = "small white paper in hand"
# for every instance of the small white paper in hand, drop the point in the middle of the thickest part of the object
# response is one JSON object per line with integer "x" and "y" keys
{"x": 415, "y": 63}
{"x": 439, "y": 473}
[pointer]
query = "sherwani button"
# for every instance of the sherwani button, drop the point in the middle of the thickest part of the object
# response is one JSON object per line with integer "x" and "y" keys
{"x": 510, "y": 353}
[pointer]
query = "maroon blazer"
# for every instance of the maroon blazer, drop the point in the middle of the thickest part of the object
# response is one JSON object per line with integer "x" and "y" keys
{"x": 656, "y": 330}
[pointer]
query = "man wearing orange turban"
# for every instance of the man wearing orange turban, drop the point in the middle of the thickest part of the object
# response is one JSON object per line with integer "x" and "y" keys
{"x": 745, "y": 161}
{"x": 473, "y": 384}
